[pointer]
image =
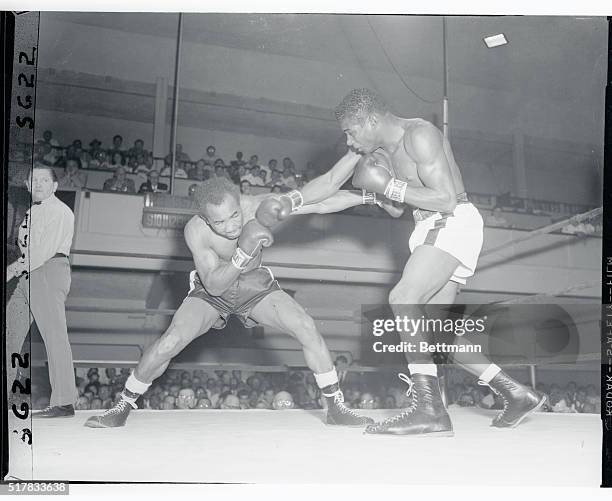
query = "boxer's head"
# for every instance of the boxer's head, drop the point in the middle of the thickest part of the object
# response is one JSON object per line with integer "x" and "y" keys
{"x": 41, "y": 182}
{"x": 218, "y": 200}
{"x": 359, "y": 115}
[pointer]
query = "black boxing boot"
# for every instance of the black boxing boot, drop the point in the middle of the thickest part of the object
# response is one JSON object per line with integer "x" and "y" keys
{"x": 519, "y": 400}
{"x": 337, "y": 412}
{"x": 426, "y": 415}
{"x": 117, "y": 415}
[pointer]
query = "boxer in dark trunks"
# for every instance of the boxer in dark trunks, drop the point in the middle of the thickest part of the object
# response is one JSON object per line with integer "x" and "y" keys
{"x": 226, "y": 243}
{"x": 409, "y": 161}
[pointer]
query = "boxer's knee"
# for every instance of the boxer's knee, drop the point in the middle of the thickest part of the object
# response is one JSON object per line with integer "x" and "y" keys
{"x": 406, "y": 295}
{"x": 173, "y": 340}
{"x": 303, "y": 327}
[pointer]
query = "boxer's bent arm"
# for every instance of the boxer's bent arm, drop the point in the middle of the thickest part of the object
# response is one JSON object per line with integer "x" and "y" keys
{"x": 216, "y": 277}
{"x": 329, "y": 183}
{"x": 342, "y": 200}
{"x": 438, "y": 194}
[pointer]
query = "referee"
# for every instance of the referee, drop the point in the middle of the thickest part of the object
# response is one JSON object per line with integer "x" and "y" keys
{"x": 43, "y": 271}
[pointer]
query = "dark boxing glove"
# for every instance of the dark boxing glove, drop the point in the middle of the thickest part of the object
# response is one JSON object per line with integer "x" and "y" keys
{"x": 272, "y": 211}
{"x": 254, "y": 236}
{"x": 372, "y": 175}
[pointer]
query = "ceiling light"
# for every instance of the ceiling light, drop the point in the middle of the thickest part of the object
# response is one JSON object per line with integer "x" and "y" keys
{"x": 495, "y": 40}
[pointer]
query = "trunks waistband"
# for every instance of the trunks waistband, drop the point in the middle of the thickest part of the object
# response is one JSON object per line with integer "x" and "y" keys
{"x": 422, "y": 214}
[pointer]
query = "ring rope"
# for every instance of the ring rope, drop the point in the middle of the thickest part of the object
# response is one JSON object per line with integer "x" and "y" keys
{"x": 535, "y": 298}
{"x": 544, "y": 230}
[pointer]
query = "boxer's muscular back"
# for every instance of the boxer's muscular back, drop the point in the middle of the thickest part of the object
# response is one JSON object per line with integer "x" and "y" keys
{"x": 403, "y": 158}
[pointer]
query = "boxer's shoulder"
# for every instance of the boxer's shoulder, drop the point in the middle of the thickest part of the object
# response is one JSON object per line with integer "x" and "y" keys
{"x": 422, "y": 139}
{"x": 197, "y": 231}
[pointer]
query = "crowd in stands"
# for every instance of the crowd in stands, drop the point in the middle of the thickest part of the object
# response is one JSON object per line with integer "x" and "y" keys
{"x": 238, "y": 389}
{"x": 137, "y": 160}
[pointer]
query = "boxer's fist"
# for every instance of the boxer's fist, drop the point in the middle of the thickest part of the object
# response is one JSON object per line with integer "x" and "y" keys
{"x": 372, "y": 175}
{"x": 272, "y": 211}
{"x": 253, "y": 236}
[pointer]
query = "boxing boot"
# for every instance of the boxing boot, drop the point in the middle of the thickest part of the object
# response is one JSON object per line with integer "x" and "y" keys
{"x": 519, "y": 401}
{"x": 426, "y": 415}
{"x": 337, "y": 412}
{"x": 115, "y": 416}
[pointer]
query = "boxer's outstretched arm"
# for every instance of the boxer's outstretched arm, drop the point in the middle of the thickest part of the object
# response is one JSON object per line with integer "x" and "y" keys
{"x": 216, "y": 277}
{"x": 329, "y": 183}
{"x": 340, "y": 201}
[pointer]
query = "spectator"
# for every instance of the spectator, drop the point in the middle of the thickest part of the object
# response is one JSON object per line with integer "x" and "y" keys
{"x": 245, "y": 187}
{"x": 137, "y": 149}
{"x": 253, "y": 161}
{"x": 496, "y": 219}
{"x": 169, "y": 402}
{"x": 272, "y": 166}
{"x": 243, "y": 398}
{"x": 253, "y": 176}
{"x": 119, "y": 182}
{"x": 199, "y": 172}
{"x": 116, "y": 159}
{"x": 80, "y": 153}
{"x": 230, "y": 401}
{"x": 186, "y": 399}
{"x": 82, "y": 404}
{"x": 276, "y": 178}
{"x": 220, "y": 171}
{"x": 72, "y": 178}
{"x": 277, "y": 188}
{"x": 288, "y": 178}
{"x": 283, "y": 400}
{"x": 116, "y": 148}
{"x": 239, "y": 162}
{"x": 179, "y": 171}
{"x": 204, "y": 403}
{"x": 100, "y": 161}
{"x": 45, "y": 154}
{"x": 181, "y": 157}
{"x": 94, "y": 149}
{"x": 48, "y": 138}
{"x": 153, "y": 185}
{"x": 211, "y": 154}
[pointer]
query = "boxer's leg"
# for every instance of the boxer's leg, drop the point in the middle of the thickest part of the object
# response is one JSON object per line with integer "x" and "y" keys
{"x": 426, "y": 273}
{"x": 280, "y": 311}
{"x": 193, "y": 318}
{"x": 519, "y": 400}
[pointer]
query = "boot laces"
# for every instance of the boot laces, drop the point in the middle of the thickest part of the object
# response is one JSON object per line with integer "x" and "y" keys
{"x": 339, "y": 403}
{"x": 498, "y": 393}
{"x": 119, "y": 408}
{"x": 409, "y": 410}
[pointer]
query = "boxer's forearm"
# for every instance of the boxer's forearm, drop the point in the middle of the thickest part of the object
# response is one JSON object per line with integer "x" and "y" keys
{"x": 338, "y": 202}
{"x": 221, "y": 279}
{"x": 329, "y": 183}
{"x": 430, "y": 199}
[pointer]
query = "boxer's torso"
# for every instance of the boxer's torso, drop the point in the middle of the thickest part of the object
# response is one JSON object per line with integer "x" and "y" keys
{"x": 403, "y": 161}
{"x": 224, "y": 247}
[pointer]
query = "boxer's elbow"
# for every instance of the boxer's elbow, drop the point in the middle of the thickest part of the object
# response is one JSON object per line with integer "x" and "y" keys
{"x": 448, "y": 202}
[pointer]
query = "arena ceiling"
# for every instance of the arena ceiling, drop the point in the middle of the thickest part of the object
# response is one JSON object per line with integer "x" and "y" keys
{"x": 547, "y": 56}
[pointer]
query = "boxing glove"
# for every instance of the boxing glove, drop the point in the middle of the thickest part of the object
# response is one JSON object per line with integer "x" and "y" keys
{"x": 372, "y": 175}
{"x": 254, "y": 236}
